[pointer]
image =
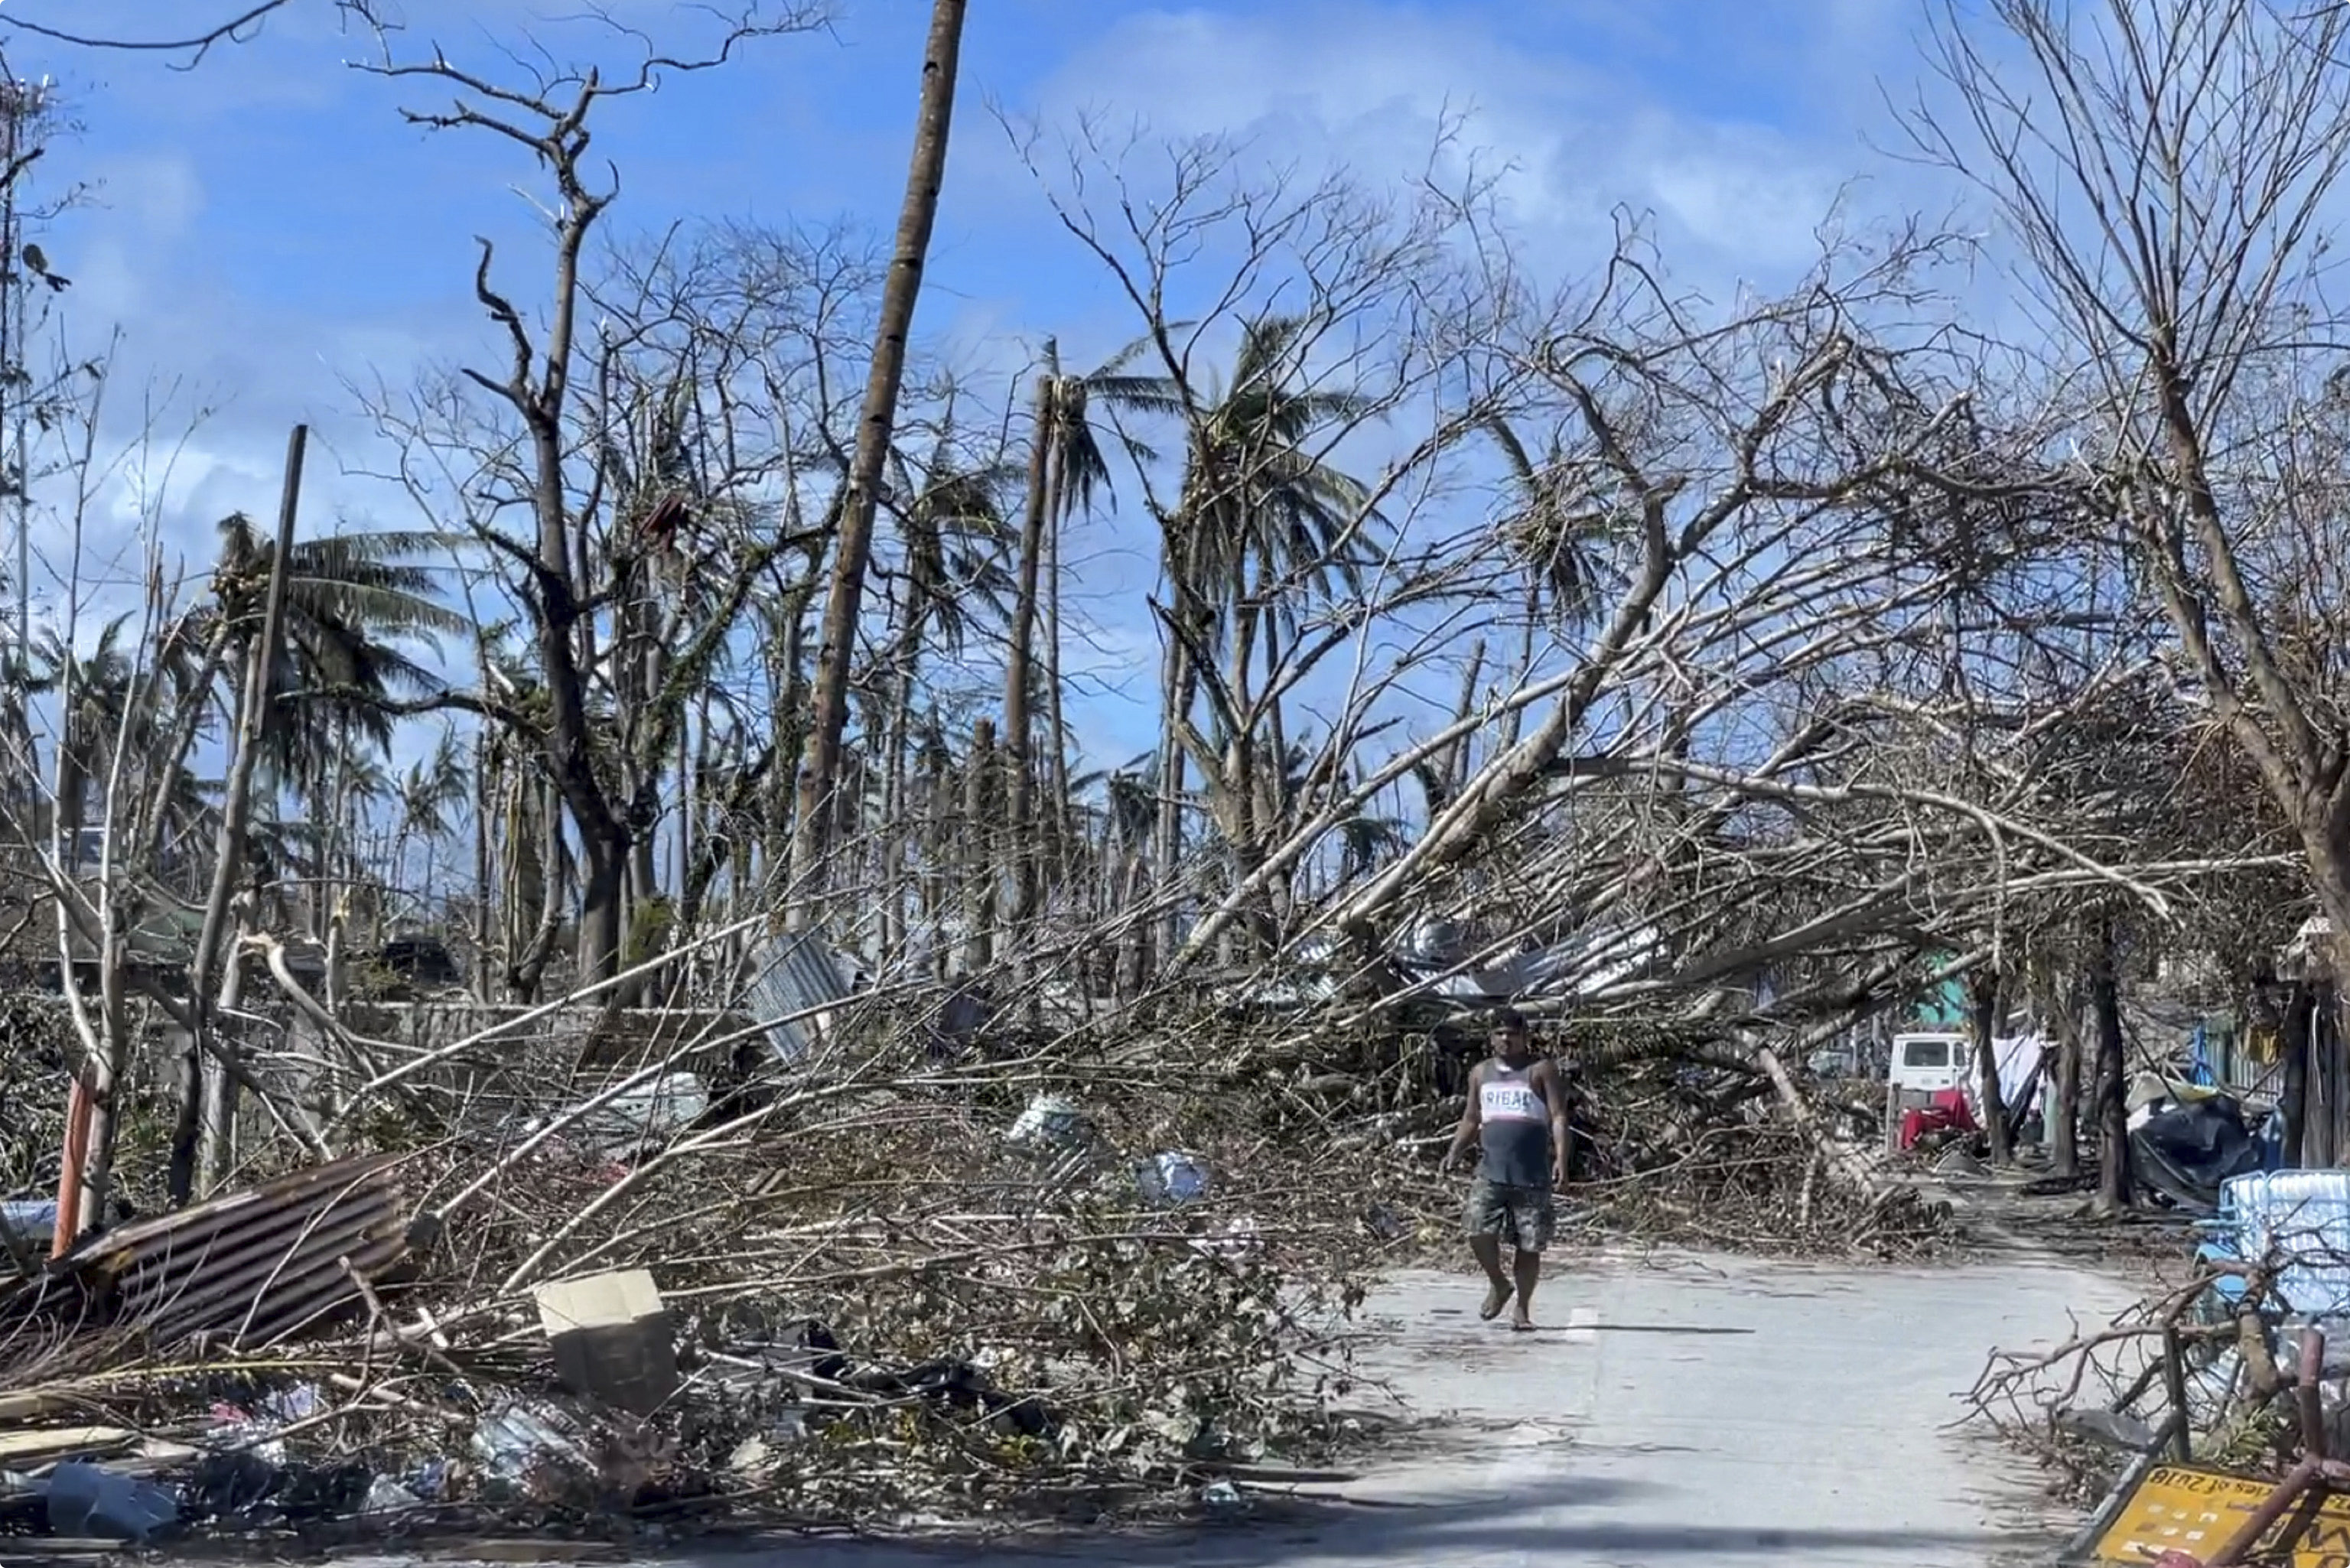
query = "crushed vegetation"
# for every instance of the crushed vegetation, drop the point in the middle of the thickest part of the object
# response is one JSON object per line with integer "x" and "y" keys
{"x": 903, "y": 1284}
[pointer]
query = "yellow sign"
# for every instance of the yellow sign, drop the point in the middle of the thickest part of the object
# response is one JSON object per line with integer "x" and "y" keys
{"x": 2196, "y": 1511}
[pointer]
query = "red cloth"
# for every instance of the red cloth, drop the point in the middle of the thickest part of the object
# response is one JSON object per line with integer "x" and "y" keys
{"x": 1948, "y": 1113}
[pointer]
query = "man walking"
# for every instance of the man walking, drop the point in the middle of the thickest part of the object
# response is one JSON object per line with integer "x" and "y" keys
{"x": 1517, "y": 1113}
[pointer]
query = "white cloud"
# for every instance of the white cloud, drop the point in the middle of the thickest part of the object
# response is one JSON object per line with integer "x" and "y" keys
{"x": 1367, "y": 86}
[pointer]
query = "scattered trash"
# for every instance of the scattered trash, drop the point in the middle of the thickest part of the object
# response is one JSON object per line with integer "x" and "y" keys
{"x": 241, "y": 1432}
{"x": 1051, "y": 1124}
{"x": 386, "y": 1496}
{"x": 287, "y": 1405}
{"x": 229, "y": 1485}
{"x": 1238, "y": 1239}
{"x": 511, "y": 1442}
{"x": 964, "y": 1012}
{"x": 1385, "y": 1223}
{"x": 30, "y": 1222}
{"x": 649, "y": 1113}
{"x": 432, "y": 1481}
{"x": 93, "y": 1502}
{"x": 1958, "y": 1164}
{"x": 1223, "y": 1497}
{"x": 2187, "y": 1153}
{"x": 1172, "y": 1180}
{"x": 752, "y": 1457}
{"x": 2108, "y": 1426}
{"x": 612, "y": 1339}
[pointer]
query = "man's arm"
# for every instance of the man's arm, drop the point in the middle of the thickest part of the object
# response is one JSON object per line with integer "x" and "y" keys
{"x": 1552, "y": 1085}
{"x": 1466, "y": 1133}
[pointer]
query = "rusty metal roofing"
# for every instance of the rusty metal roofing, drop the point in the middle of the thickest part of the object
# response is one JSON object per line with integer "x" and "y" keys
{"x": 251, "y": 1268}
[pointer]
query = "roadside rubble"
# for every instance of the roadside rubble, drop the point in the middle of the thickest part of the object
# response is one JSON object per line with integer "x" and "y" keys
{"x": 2204, "y": 1426}
{"x": 875, "y": 1296}
{"x": 875, "y": 1284}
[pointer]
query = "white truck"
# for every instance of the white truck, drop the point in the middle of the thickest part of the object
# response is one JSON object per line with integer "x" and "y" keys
{"x": 1930, "y": 1061}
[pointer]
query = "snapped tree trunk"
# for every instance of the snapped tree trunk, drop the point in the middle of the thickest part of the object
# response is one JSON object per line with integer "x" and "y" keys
{"x": 484, "y": 877}
{"x": 1057, "y": 755}
{"x": 1019, "y": 673}
{"x": 2114, "y": 1182}
{"x": 215, "y": 951}
{"x": 1983, "y": 1010}
{"x": 853, "y": 551}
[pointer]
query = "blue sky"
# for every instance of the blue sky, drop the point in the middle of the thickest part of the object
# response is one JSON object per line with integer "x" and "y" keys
{"x": 264, "y": 228}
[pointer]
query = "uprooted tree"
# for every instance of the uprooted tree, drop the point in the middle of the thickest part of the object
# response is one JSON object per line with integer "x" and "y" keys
{"x": 1718, "y": 674}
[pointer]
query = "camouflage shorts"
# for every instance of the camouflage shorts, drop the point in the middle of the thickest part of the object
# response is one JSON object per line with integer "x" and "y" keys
{"x": 1523, "y": 1217}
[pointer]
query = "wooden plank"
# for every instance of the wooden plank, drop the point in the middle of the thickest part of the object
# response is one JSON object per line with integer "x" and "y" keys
{"x": 38, "y": 1445}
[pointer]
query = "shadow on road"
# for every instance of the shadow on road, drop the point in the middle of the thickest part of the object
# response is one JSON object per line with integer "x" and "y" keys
{"x": 1545, "y": 1529}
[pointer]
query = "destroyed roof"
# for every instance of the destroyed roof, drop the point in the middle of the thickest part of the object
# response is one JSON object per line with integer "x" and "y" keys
{"x": 252, "y": 1266}
{"x": 795, "y": 981}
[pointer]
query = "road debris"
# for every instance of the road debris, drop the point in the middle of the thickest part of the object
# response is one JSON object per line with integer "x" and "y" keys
{"x": 612, "y": 1339}
{"x": 868, "y": 1285}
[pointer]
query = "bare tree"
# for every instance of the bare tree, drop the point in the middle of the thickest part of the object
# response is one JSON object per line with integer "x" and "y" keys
{"x": 548, "y": 116}
{"x": 2167, "y": 170}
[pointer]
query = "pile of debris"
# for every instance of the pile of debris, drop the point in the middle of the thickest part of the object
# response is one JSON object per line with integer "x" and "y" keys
{"x": 890, "y": 1278}
{"x": 878, "y": 1294}
{"x": 2200, "y": 1421}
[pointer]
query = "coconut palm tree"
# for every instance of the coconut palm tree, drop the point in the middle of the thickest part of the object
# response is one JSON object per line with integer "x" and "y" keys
{"x": 953, "y": 533}
{"x": 104, "y": 691}
{"x": 1066, "y": 470}
{"x": 426, "y": 793}
{"x": 1261, "y": 523}
{"x": 1560, "y": 534}
{"x": 356, "y": 606}
{"x": 357, "y": 610}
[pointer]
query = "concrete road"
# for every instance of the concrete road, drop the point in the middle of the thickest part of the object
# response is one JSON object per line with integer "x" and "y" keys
{"x": 1692, "y": 1411}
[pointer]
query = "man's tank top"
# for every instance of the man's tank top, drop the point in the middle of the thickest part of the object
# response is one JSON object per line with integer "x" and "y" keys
{"x": 1513, "y": 1124}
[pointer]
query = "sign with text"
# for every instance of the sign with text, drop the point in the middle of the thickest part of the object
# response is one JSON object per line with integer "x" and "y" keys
{"x": 2176, "y": 1508}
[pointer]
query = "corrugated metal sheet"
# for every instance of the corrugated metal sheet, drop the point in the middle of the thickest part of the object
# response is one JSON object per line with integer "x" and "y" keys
{"x": 251, "y": 1268}
{"x": 795, "y": 982}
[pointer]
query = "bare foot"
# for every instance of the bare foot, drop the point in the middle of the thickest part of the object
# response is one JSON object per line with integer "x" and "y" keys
{"x": 1521, "y": 1320}
{"x": 1497, "y": 1296}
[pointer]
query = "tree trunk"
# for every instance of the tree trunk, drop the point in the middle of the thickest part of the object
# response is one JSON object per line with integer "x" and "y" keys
{"x": 1167, "y": 845}
{"x": 853, "y": 551}
{"x": 2295, "y": 1031}
{"x": 2065, "y": 1133}
{"x": 216, "y": 1143}
{"x": 214, "y": 952}
{"x": 938, "y": 820}
{"x": 981, "y": 871}
{"x": 1019, "y": 676}
{"x": 603, "y": 901}
{"x": 2114, "y": 1181}
{"x": 484, "y": 878}
{"x": 1983, "y": 1007}
{"x": 896, "y": 783}
{"x": 1056, "y": 783}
